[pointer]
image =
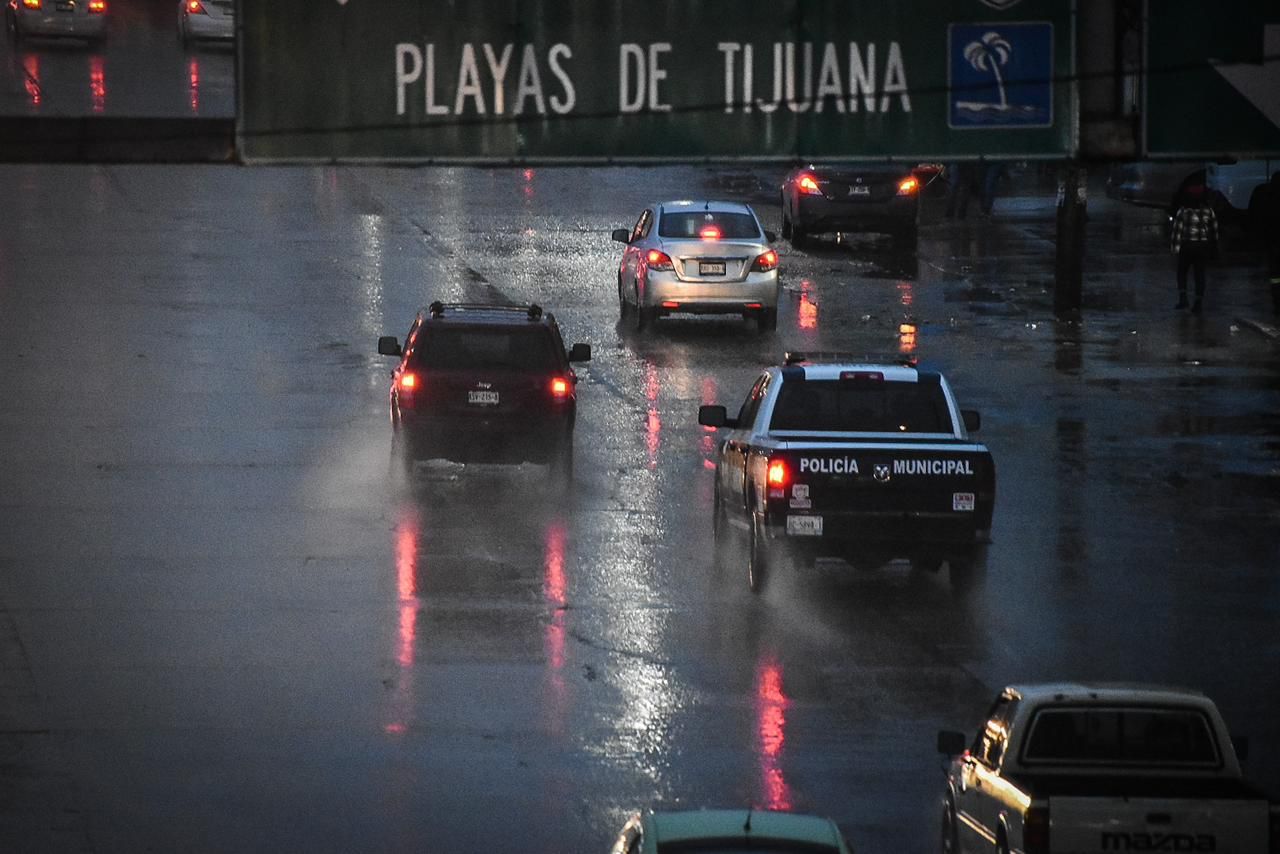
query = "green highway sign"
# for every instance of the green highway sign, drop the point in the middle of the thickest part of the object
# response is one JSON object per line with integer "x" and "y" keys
{"x": 1212, "y": 78}
{"x": 546, "y": 80}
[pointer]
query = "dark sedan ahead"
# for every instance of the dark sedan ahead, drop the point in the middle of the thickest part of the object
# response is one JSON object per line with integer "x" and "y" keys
{"x": 825, "y": 199}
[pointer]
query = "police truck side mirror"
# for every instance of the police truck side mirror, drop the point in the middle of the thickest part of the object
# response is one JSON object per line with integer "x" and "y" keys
{"x": 580, "y": 353}
{"x": 951, "y": 743}
{"x": 715, "y": 416}
{"x": 388, "y": 346}
{"x": 622, "y": 235}
{"x": 972, "y": 419}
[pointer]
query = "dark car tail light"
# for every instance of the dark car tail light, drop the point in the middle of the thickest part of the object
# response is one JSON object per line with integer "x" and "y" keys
{"x": 560, "y": 388}
{"x": 807, "y": 184}
{"x": 908, "y": 186}
{"x": 658, "y": 260}
{"x": 31, "y": 4}
{"x": 97, "y": 7}
{"x": 766, "y": 262}
{"x": 408, "y": 382}
{"x": 1035, "y": 830}
{"x": 195, "y": 8}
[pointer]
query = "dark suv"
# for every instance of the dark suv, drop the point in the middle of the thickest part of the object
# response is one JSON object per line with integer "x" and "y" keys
{"x": 484, "y": 383}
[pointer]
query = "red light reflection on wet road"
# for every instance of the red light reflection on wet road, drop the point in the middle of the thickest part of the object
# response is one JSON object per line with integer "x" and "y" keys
{"x": 193, "y": 84}
{"x": 407, "y": 597}
{"x": 808, "y": 309}
{"x": 97, "y": 83}
{"x": 31, "y": 75}
{"x": 771, "y": 721}
{"x": 653, "y": 424}
{"x": 709, "y": 392}
{"x": 553, "y": 590}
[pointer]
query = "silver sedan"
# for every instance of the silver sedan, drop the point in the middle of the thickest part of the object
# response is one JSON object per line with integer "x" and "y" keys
{"x": 76, "y": 19}
{"x": 698, "y": 257}
{"x": 206, "y": 20}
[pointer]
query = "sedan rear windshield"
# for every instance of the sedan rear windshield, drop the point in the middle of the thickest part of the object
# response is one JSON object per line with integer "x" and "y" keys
{"x": 732, "y": 226}
{"x": 516, "y": 348}
{"x": 1119, "y": 736}
{"x": 861, "y": 406}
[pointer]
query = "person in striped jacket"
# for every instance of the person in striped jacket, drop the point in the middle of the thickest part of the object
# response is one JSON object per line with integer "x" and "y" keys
{"x": 1194, "y": 240}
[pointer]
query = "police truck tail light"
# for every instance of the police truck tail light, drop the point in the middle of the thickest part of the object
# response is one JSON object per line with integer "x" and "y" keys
{"x": 709, "y": 232}
{"x": 559, "y": 388}
{"x": 408, "y": 381}
{"x": 778, "y": 473}
{"x": 1035, "y": 830}
{"x": 808, "y": 185}
{"x": 658, "y": 260}
{"x": 907, "y": 186}
{"x": 765, "y": 262}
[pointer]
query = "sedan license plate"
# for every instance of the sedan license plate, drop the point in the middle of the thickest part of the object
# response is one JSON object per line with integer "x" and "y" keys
{"x": 804, "y": 526}
{"x": 482, "y": 398}
{"x": 859, "y": 190}
{"x": 711, "y": 268}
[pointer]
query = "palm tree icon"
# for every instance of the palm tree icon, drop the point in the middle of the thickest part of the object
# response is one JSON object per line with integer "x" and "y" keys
{"x": 991, "y": 52}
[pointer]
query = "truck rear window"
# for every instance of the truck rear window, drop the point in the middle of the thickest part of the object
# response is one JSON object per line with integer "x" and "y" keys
{"x": 1120, "y": 736}
{"x": 515, "y": 348}
{"x": 863, "y": 407}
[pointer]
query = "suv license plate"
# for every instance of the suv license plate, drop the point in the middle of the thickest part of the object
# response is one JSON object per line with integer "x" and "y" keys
{"x": 483, "y": 398}
{"x": 804, "y": 526}
{"x": 711, "y": 268}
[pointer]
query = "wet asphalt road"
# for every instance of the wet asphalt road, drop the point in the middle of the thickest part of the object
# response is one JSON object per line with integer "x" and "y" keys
{"x": 225, "y": 626}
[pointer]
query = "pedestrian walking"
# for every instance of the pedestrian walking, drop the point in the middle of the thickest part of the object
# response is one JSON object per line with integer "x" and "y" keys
{"x": 1194, "y": 240}
{"x": 1271, "y": 238}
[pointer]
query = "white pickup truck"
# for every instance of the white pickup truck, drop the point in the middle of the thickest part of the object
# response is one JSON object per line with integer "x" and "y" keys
{"x": 1084, "y": 768}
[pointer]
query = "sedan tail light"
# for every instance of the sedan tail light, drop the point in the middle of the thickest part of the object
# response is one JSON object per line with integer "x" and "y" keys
{"x": 194, "y": 7}
{"x": 765, "y": 262}
{"x": 807, "y": 184}
{"x": 658, "y": 260}
{"x": 408, "y": 381}
{"x": 907, "y": 186}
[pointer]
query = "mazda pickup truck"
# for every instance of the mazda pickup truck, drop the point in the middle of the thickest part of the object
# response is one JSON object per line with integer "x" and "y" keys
{"x": 1091, "y": 768}
{"x": 865, "y": 461}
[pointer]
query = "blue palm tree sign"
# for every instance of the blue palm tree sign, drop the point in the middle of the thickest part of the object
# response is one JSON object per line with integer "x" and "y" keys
{"x": 1000, "y": 75}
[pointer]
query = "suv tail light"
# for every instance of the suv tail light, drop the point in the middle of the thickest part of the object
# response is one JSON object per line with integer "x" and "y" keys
{"x": 765, "y": 263}
{"x": 907, "y": 186}
{"x": 195, "y": 8}
{"x": 1035, "y": 830}
{"x": 658, "y": 260}
{"x": 97, "y": 7}
{"x": 808, "y": 185}
{"x": 31, "y": 4}
{"x": 408, "y": 381}
{"x": 560, "y": 388}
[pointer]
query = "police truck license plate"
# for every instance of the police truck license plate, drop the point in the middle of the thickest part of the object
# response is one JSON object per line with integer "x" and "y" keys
{"x": 711, "y": 268}
{"x": 804, "y": 526}
{"x": 483, "y": 398}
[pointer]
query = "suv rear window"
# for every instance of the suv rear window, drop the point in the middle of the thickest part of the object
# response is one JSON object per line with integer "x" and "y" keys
{"x": 732, "y": 225}
{"x": 861, "y": 406}
{"x": 1119, "y": 736}
{"x": 516, "y": 348}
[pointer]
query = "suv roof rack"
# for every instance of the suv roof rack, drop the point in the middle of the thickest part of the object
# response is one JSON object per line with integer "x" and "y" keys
{"x": 437, "y": 308}
{"x": 795, "y": 357}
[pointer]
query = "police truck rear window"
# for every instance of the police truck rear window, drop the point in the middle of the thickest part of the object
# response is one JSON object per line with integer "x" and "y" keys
{"x": 695, "y": 225}
{"x": 861, "y": 407}
{"x": 515, "y": 348}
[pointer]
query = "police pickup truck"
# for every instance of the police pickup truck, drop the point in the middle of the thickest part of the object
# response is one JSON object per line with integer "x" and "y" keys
{"x": 869, "y": 462}
{"x": 1078, "y": 768}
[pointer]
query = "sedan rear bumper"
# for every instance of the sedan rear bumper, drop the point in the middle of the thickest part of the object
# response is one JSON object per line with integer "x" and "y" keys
{"x": 61, "y": 24}
{"x": 759, "y": 290}
{"x": 823, "y": 215}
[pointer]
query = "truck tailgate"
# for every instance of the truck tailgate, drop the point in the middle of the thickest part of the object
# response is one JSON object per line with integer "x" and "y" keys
{"x": 1083, "y": 825}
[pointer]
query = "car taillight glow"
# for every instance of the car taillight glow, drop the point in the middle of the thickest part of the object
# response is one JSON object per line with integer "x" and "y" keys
{"x": 907, "y": 186}
{"x": 778, "y": 474}
{"x": 765, "y": 262}
{"x": 1035, "y": 830}
{"x": 31, "y": 4}
{"x": 408, "y": 381}
{"x": 709, "y": 232}
{"x": 97, "y": 6}
{"x": 808, "y": 185}
{"x": 194, "y": 7}
{"x": 658, "y": 260}
{"x": 559, "y": 387}
{"x": 670, "y": 303}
